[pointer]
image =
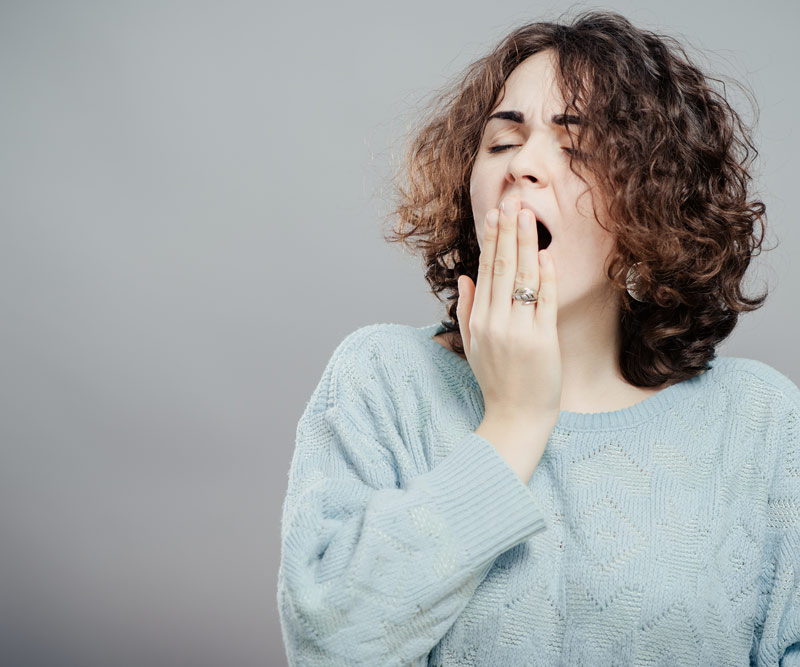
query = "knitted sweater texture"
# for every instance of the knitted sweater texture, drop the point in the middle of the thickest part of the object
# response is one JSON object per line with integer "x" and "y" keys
{"x": 665, "y": 533}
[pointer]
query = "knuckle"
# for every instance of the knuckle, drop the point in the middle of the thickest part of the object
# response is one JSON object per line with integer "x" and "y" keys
{"x": 501, "y": 266}
{"x": 485, "y": 266}
{"x": 524, "y": 279}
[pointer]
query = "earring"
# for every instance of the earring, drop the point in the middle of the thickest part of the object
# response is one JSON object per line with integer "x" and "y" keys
{"x": 631, "y": 281}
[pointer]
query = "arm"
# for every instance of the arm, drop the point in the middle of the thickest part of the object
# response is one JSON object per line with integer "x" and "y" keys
{"x": 373, "y": 572}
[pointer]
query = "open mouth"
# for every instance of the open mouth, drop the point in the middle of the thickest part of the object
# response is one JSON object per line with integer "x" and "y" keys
{"x": 543, "y": 235}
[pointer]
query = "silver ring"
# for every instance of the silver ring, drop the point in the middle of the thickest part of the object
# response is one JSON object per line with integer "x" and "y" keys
{"x": 526, "y": 295}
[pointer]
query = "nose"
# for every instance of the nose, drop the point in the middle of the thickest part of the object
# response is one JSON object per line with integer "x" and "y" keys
{"x": 528, "y": 162}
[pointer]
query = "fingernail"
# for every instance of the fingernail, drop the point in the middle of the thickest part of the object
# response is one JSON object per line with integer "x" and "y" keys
{"x": 492, "y": 217}
{"x": 544, "y": 257}
{"x": 525, "y": 219}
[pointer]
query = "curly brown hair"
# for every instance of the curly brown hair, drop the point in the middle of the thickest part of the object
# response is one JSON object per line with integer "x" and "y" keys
{"x": 669, "y": 155}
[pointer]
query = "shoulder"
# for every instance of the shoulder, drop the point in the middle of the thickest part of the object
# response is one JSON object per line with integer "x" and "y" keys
{"x": 763, "y": 400}
{"x": 779, "y": 397}
{"x": 373, "y": 359}
{"x": 759, "y": 381}
{"x": 381, "y": 344}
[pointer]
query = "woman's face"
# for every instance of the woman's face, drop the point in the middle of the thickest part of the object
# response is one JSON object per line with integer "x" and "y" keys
{"x": 535, "y": 169}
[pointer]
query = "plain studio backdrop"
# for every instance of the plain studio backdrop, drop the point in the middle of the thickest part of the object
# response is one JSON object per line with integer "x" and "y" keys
{"x": 192, "y": 200}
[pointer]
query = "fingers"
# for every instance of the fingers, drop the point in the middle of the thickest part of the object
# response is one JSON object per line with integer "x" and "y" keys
{"x": 505, "y": 262}
{"x": 466, "y": 294}
{"x": 483, "y": 290}
{"x": 547, "y": 305}
{"x": 510, "y": 258}
{"x": 527, "y": 274}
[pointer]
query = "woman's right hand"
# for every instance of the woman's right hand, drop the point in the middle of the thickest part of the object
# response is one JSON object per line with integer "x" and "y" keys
{"x": 511, "y": 347}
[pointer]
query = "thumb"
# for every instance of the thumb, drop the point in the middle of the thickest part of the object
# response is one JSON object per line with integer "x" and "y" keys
{"x": 466, "y": 295}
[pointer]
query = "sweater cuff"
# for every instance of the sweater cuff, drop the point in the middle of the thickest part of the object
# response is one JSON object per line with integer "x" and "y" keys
{"x": 483, "y": 500}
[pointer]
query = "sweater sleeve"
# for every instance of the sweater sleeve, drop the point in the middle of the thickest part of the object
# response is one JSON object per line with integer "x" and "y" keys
{"x": 777, "y": 637}
{"x": 374, "y": 570}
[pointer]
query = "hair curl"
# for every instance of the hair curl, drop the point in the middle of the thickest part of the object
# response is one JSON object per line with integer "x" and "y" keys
{"x": 669, "y": 155}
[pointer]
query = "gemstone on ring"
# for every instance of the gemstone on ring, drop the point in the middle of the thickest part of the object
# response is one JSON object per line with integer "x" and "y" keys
{"x": 526, "y": 295}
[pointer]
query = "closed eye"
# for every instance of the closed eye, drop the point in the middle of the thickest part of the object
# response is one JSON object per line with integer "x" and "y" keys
{"x": 500, "y": 149}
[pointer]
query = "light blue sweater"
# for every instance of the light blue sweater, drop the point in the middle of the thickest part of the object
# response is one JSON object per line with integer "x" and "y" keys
{"x": 665, "y": 533}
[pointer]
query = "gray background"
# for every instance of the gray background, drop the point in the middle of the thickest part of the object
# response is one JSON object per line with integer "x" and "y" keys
{"x": 191, "y": 204}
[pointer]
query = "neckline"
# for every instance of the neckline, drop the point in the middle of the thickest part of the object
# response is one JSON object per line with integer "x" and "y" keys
{"x": 590, "y": 421}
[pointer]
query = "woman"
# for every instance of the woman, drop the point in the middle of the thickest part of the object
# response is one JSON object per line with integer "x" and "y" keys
{"x": 565, "y": 472}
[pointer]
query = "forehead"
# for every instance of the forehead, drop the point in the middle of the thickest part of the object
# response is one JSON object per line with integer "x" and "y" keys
{"x": 532, "y": 86}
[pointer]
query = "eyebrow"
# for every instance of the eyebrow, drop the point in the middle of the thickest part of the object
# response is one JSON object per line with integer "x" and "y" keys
{"x": 519, "y": 117}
